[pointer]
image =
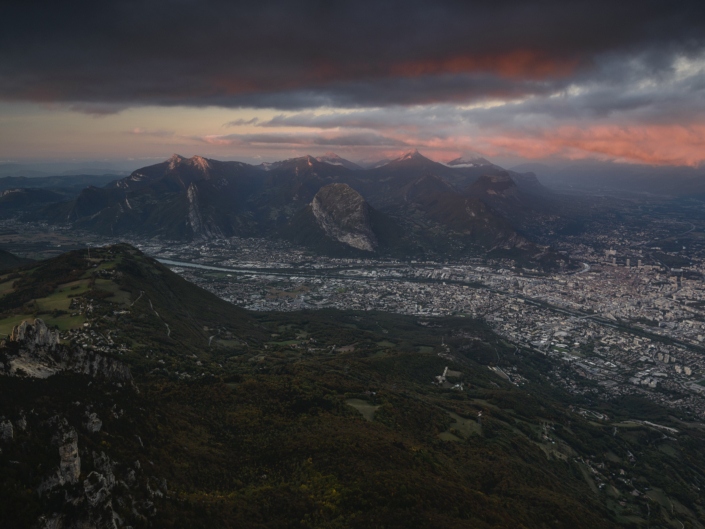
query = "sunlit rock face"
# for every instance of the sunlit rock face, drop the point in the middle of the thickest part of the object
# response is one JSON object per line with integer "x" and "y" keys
{"x": 35, "y": 335}
{"x": 344, "y": 215}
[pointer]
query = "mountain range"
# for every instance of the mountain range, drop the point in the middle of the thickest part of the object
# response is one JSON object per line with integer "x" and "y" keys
{"x": 429, "y": 207}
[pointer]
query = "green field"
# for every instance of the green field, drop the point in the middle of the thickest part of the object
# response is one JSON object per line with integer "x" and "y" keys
{"x": 287, "y": 342}
{"x": 7, "y": 324}
{"x": 447, "y": 436}
{"x": 368, "y": 410}
{"x": 6, "y": 286}
{"x": 60, "y": 299}
{"x": 227, "y": 343}
{"x": 120, "y": 297}
{"x": 64, "y": 322}
{"x": 108, "y": 265}
{"x": 465, "y": 427}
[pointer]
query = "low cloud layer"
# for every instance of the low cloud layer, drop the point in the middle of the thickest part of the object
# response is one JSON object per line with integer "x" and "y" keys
{"x": 313, "y": 140}
{"x": 137, "y": 131}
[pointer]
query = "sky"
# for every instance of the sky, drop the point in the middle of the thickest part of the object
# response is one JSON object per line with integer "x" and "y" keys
{"x": 261, "y": 81}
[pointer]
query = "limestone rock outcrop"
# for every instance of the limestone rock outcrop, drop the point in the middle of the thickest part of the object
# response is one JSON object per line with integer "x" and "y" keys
{"x": 92, "y": 423}
{"x": 36, "y": 334}
{"x": 66, "y": 439}
{"x": 344, "y": 216}
{"x": 35, "y": 351}
{"x": 6, "y": 431}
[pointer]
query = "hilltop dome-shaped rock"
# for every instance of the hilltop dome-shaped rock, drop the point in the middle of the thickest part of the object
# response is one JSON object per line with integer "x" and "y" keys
{"x": 344, "y": 215}
{"x": 37, "y": 334}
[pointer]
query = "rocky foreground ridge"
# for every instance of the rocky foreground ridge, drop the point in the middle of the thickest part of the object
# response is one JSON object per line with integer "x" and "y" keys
{"x": 34, "y": 350}
{"x": 77, "y": 485}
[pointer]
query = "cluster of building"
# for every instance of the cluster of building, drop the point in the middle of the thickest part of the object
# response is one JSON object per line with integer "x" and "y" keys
{"x": 631, "y": 327}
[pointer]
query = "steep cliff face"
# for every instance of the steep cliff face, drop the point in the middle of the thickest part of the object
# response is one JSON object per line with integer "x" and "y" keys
{"x": 344, "y": 215}
{"x": 519, "y": 198}
{"x": 194, "y": 211}
{"x": 205, "y": 223}
{"x": 34, "y": 350}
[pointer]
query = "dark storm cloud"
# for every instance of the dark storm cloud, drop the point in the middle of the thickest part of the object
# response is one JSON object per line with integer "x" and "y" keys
{"x": 626, "y": 93}
{"x": 99, "y": 56}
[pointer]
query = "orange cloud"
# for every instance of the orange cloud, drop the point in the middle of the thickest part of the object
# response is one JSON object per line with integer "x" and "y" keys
{"x": 652, "y": 144}
{"x": 516, "y": 64}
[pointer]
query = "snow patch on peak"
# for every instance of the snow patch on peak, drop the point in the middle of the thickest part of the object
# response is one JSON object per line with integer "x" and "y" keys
{"x": 333, "y": 159}
{"x": 411, "y": 155}
{"x": 330, "y": 157}
{"x": 469, "y": 160}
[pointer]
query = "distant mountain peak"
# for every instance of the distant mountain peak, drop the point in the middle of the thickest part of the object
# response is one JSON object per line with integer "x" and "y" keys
{"x": 200, "y": 162}
{"x": 471, "y": 160}
{"x": 412, "y": 155}
{"x": 302, "y": 160}
{"x": 289, "y": 162}
{"x": 175, "y": 160}
{"x": 333, "y": 159}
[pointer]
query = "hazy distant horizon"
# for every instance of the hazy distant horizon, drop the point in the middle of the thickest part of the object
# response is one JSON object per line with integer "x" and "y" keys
{"x": 58, "y": 166}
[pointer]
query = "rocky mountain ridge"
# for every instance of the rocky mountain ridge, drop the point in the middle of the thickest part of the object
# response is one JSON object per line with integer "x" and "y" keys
{"x": 198, "y": 198}
{"x": 79, "y": 486}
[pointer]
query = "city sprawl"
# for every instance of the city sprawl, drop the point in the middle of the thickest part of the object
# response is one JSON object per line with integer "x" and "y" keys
{"x": 612, "y": 329}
